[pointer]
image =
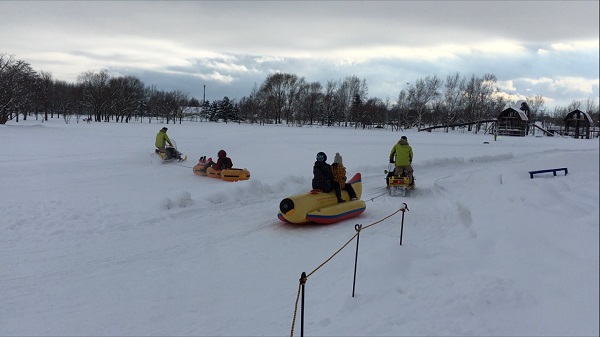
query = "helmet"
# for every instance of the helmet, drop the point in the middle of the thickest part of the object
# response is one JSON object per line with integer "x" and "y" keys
{"x": 322, "y": 157}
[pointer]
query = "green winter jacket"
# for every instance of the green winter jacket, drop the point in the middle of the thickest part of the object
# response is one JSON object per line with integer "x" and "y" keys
{"x": 161, "y": 139}
{"x": 401, "y": 153}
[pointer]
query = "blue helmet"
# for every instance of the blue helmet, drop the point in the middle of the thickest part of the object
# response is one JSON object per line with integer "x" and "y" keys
{"x": 321, "y": 156}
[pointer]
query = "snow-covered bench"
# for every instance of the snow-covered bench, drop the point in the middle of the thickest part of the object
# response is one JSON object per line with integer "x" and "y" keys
{"x": 531, "y": 173}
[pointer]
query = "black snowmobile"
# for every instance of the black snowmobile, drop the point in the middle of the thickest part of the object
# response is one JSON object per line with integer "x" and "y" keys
{"x": 171, "y": 154}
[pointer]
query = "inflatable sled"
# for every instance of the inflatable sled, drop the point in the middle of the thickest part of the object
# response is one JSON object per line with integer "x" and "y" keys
{"x": 231, "y": 174}
{"x": 317, "y": 206}
{"x": 171, "y": 154}
{"x": 398, "y": 185}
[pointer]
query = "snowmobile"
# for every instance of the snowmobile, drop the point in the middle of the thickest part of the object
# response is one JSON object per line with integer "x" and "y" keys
{"x": 398, "y": 184}
{"x": 171, "y": 154}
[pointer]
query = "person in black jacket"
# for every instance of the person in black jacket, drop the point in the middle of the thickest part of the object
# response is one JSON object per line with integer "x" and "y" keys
{"x": 323, "y": 177}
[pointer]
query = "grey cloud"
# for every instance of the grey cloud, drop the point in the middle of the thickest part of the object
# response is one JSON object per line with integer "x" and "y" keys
{"x": 243, "y": 41}
{"x": 267, "y": 24}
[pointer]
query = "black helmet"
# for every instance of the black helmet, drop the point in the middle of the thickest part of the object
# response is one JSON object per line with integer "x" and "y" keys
{"x": 322, "y": 157}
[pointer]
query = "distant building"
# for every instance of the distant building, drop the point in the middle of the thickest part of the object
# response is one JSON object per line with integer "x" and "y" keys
{"x": 512, "y": 122}
{"x": 578, "y": 124}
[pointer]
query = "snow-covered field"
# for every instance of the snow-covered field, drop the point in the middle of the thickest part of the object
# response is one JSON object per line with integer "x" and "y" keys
{"x": 98, "y": 237}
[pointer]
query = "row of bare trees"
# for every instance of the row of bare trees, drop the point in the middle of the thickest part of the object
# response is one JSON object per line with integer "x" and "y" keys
{"x": 287, "y": 98}
{"x": 281, "y": 98}
{"x": 96, "y": 96}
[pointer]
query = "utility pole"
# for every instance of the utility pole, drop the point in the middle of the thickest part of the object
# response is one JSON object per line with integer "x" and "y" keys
{"x": 204, "y": 95}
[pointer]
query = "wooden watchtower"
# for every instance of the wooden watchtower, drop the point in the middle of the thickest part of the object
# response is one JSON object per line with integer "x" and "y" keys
{"x": 577, "y": 124}
{"x": 512, "y": 122}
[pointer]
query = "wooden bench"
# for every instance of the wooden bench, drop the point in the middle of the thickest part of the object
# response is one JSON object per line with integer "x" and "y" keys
{"x": 531, "y": 173}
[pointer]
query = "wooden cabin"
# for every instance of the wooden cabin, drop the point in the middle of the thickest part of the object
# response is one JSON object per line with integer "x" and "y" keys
{"x": 512, "y": 122}
{"x": 578, "y": 124}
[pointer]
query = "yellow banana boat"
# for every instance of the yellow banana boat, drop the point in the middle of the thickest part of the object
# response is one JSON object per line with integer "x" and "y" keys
{"x": 317, "y": 206}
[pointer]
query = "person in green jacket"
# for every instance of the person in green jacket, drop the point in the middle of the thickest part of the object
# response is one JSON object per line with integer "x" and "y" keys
{"x": 402, "y": 156}
{"x": 161, "y": 141}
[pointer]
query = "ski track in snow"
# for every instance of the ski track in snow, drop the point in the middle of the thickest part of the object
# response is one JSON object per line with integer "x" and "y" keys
{"x": 168, "y": 256}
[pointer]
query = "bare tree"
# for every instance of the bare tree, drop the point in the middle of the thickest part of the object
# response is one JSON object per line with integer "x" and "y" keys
{"x": 126, "y": 94}
{"x": 535, "y": 104}
{"x": 293, "y": 86}
{"x": 7, "y": 94}
{"x": 590, "y": 105}
{"x": 574, "y": 105}
{"x": 374, "y": 112}
{"x": 330, "y": 104}
{"x": 17, "y": 88}
{"x": 481, "y": 101}
{"x": 592, "y": 109}
{"x": 46, "y": 90}
{"x": 398, "y": 115}
{"x": 65, "y": 99}
{"x": 96, "y": 93}
{"x": 422, "y": 94}
{"x": 349, "y": 88}
{"x": 309, "y": 103}
{"x": 250, "y": 108}
{"x": 278, "y": 92}
{"x": 175, "y": 101}
{"x": 453, "y": 98}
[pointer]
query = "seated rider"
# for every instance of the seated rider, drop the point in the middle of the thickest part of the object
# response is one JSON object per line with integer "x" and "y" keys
{"x": 402, "y": 155}
{"x": 222, "y": 163}
{"x": 161, "y": 141}
{"x": 339, "y": 174}
{"x": 323, "y": 177}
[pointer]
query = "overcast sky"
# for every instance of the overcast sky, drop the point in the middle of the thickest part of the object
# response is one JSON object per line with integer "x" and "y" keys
{"x": 547, "y": 48}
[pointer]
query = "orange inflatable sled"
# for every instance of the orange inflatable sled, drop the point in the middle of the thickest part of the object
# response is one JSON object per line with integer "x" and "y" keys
{"x": 231, "y": 174}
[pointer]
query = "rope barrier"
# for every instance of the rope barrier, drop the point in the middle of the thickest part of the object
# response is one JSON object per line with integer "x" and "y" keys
{"x": 399, "y": 210}
{"x": 357, "y": 228}
{"x": 405, "y": 208}
{"x": 331, "y": 257}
